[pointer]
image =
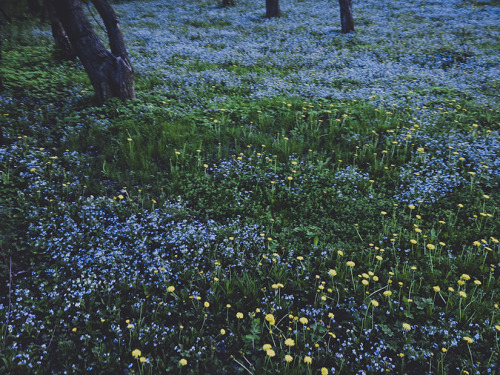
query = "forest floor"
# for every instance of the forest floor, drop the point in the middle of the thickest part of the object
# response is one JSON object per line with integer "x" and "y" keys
{"x": 279, "y": 199}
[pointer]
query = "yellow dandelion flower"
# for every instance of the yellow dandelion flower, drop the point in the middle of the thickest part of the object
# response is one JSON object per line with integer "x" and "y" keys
{"x": 332, "y": 272}
{"x": 351, "y": 263}
{"x": 143, "y": 359}
{"x": 436, "y": 288}
{"x": 497, "y": 327}
{"x": 468, "y": 339}
{"x": 222, "y": 331}
{"x": 303, "y": 320}
{"x": 324, "y": 371}
{"x": 270, "y": 353}
{"x": 365, "y": 282}
{"x": 289, "y": 342}
{"x": 136, "y": 353}
{"x": 462, "y": 294}
{"x": 267, "y": 346}
{"x": 477, "y": 282}
{"x": 239, "y": 315}
{"x": 387, "y": 293}
{"x": 431, "y": 246}
{"x": 374, "y": 303}
{"x": 406, "y": 326}
{"x": 465, "y": 277}
{"x": 411, "y": 207}
{"x": 183, "y": 362}
{"x": 171, "y": 289}
{"x": 308, "y": 360}
{"x": 288, "y": 358}
{"x": 206, "y": 304}
{"x": 270, "y": 319}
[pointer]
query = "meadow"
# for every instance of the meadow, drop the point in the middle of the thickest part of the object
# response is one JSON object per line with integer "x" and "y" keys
{"x": 280, "y": 198}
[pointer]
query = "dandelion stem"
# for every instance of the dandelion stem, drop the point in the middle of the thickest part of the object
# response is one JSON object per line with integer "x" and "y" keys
{"x": 242, "y": 365}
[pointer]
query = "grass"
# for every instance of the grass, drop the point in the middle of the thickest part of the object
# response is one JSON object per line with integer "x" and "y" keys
{"x": 260, "y": 208}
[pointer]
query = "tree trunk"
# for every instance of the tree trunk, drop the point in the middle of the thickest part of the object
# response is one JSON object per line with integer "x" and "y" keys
{"x": 273, "y": 8}
{"x": 34, "y": 7}
{"x": 346, "y": 19}
{"x": 110, "y": 72}
{"x": 227, "y": 3}
{"x": 61, "y": 39}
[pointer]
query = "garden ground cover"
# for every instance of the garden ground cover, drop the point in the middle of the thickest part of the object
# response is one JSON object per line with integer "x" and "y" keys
{"x": 280, "y": 198}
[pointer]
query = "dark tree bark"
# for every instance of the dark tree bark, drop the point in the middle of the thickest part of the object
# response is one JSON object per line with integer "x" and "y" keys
{"x": 273, "y": 8}
{"x": 110, "y": 72}
{"x": 2, "y": 12}
{"x": 34, "y": 6}
{"x": 227, "y": 3}
{"x": 61, "y": 39}
{"x": 346, "y": 19}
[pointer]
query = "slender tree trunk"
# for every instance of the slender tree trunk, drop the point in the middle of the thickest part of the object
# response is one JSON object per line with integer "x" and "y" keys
{"x": 227, "y": 3}
{"x": 34, "y": 7}
{"x": 7, "y": 18}
{"x": 346, "y": 19}
{"x": 273, "y": 8}
{"x": 61, "y": 39}
{"x": 109, "y": 71}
